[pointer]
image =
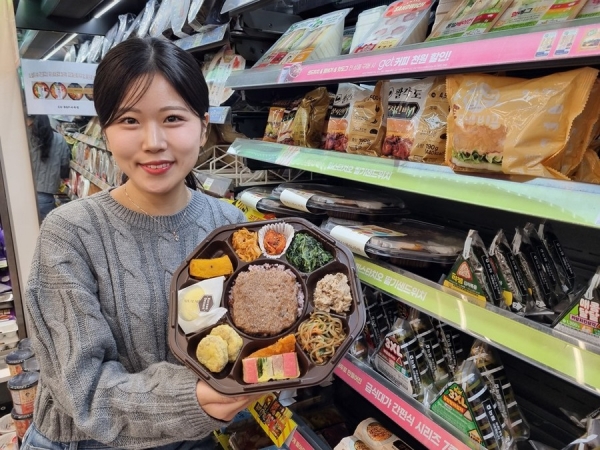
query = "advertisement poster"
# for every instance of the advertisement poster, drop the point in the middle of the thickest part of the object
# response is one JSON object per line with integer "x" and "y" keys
{"x": 59, "y": 88}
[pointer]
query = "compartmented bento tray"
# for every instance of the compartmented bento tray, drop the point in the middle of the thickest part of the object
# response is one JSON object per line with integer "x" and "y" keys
{"x": 230, "y": 380}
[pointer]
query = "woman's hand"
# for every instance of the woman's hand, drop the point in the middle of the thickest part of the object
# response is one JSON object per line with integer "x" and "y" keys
{"x": 219, "y": 406}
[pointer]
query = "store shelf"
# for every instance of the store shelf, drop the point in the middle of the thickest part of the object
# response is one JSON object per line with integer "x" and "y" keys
{"x": 521, "y": 48}
{"x": 429, "y": 429}
{"x": 565, "y": 201}
{"x": 219, "y": 115}
{"x": 92, "y": 178}
{"x": 548, "y": 349}
{"x": 89, "y": 140}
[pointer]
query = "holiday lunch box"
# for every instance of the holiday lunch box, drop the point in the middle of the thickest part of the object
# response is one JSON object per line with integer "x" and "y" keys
{"x": 314, "y": 265}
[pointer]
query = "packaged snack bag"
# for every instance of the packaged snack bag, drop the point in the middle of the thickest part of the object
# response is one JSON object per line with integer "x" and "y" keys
{"x": 307, "y": 129}
{"x": 276, "y": 113}
{"x": 406, "y": 102}
{"x": 488, "y": 362}
{"x": 469, "y": 18}
{"x": 558, "y": 255}
{"x": 339, "y": 120}
{"x": 511, "y": 125}
{"x": 368, "y": 123}
{"x": 424, "y": 330}
{"x": 589, "y": 169}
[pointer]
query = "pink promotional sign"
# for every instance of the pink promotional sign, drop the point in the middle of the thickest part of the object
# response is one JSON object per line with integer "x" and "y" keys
{"x": 410, "y": 419}
{"x": 583, "y": 41}
{"x": 298, "y": 442}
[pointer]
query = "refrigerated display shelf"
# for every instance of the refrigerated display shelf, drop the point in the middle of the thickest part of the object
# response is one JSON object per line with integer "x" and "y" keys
{"x": 89, "y": 140}
{"x": 425, "y": 426}
{"x": 91, "y": 177}
{"x": 210, "y": 36}
{"x": 566, "y": 201}
{"x": 525, "y": 48}
{"x": 558, "y": 353}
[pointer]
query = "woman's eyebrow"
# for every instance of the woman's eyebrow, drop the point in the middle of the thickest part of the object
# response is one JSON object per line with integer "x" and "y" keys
{"x": 177, "y": 108}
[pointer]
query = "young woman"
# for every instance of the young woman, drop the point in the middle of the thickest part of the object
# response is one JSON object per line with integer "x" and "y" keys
{"x": 97, "y": 298}
{"x": 50, "y": 157}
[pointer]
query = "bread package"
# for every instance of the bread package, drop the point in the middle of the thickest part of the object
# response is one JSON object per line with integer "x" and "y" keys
{"x": 512, "y": 125}
{"x": 368, "y": 123}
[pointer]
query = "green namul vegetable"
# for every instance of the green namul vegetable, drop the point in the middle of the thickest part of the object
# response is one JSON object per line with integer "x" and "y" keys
{"x": 307, "y": 254}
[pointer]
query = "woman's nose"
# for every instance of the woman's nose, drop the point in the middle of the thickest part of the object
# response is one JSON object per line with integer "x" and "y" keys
{"x": 154, "y": 138}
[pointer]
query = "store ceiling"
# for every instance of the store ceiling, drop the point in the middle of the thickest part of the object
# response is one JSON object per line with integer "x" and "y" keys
{"x": 46, "y": 23}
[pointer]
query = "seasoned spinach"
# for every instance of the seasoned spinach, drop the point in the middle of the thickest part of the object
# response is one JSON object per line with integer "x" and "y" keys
{"x": 306, "y": 253}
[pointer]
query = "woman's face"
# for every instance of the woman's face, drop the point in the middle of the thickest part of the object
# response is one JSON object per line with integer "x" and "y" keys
{"x": 156, "y": 142}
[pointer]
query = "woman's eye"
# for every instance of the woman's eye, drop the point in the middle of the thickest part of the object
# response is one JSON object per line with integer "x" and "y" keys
{"x": 128, "y": 121}
{"x": 173, "y": 119}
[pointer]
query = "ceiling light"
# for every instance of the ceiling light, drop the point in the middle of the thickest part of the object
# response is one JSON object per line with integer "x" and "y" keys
{"x": 105, "y": 9}
{"x": 59, "y": 46}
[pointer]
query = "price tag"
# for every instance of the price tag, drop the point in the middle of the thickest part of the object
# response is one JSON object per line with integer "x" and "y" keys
{"x": 251, "y": 199}
{"x": 296, "y": 199}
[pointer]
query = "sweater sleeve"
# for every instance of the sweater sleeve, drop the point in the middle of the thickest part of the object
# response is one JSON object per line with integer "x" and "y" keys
{"x": 80, "y": 363}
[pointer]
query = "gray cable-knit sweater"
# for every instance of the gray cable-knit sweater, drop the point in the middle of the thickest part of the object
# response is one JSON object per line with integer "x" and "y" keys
{"x": 97, "y": 301}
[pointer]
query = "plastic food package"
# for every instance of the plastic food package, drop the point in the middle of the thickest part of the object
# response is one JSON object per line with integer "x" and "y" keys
{"x": 424, "y": 330}
{"x": 474, "y": 273}
{"x": 527, "y": 13}
{"x": 71, "y": 55}
{"x": 510, "y": 271}
{"x": 469, "y": 18}
{"x": 338, "y": 126}
{"x": 83, "y": 53}
{"x": 406, "y": 104}
{"x": 218, "y": 70}
{"x": 260, "y": 198}
{"x": 582, "y": 318}
{"x": 284, "y": 135}
{"x": 490, "y": 366}
{"x": 368, "y": 123}
{"x": 513, "y": 125}
{"x": 589, "y": 169}
{"x": 451, "y": 344}
{"x": 308, "y": 40}
{"x": 404, "y": 22}
{"x": 365, "y": 22}
{"x": 198, "y": 13}
{"x": 401, "y": 360}
{"x": 567, "y": 161}
{"x": 179, "y": 18}
{"x": 556, "y": 251}
{"x": 406, "y": 242}
{"x": 468, "y": 404}
{"x": 108, "y": 39}
{"x": 133, "y": 28}
{"x": 147, "y": 18}
{"x": 124, "y": 22}
{"x": 95, "y": 49}
{"x": 276, "y": 113}
{"x": 199, "y": 305}
{"x": 338, "y": 201}
{"x": 376, "y": 437}
{"x": 162, "y": 20}
{"x": 307, "y": 128}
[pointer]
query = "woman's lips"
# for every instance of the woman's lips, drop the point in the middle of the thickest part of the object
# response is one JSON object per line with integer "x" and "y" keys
{"x": 156, "y": 168}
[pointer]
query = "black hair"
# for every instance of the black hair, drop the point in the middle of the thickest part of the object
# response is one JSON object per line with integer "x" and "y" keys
{"x": 42, "y": 134}
{"x": 132, "y": 64}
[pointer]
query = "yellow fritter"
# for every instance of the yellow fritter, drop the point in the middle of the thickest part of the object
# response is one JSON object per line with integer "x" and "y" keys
{"x": 212, "y": 353}
{"x": 210, "y": 268}
{"x": 233, "y": 340}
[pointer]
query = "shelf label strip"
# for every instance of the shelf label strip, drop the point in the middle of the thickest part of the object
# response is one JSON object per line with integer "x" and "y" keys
{"x": 406, "y": 416}
{"x": 584, "y": 41}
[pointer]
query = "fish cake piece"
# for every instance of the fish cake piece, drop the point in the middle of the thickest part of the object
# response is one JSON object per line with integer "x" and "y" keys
{"x": 212, "y": 353}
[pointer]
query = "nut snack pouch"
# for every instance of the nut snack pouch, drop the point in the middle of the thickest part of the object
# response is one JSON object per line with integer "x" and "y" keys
{"x": 406, "y": 102}
{"x": 424, "y": 330}
{"x": 488, "y": 362}
{"x": 474, "y": 273}
{"x": 589, "y": 169}
{"x": 401, "y": 360}
{"x": 430, "y": 140}
{"x": 511, "y": 125}
{"x": 339, "y": 120}
{"x": 516, "y": 282}
{"x": 567, "y": 161}
{"x": 368, "y": 123}
{"x": 307, "y": 128}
